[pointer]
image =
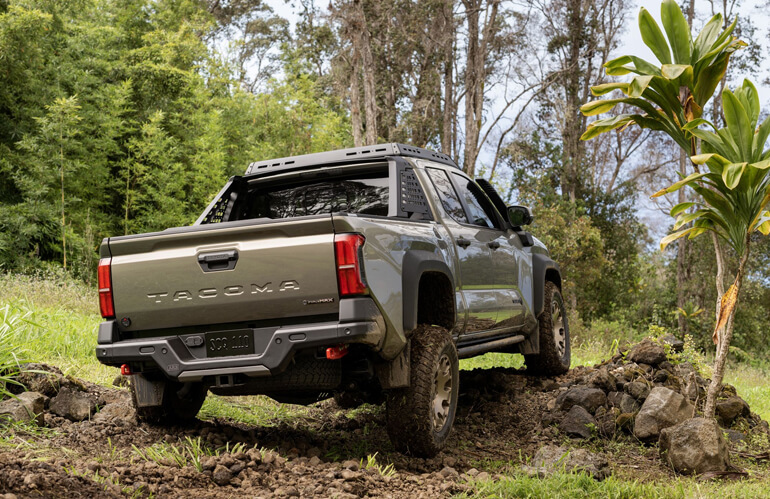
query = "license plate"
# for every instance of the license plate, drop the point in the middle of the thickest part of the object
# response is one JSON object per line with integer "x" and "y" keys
{"x": 227, "y": 343}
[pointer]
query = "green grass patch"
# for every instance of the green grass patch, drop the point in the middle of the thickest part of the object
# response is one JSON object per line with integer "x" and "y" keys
{"x": 582, "y": 486}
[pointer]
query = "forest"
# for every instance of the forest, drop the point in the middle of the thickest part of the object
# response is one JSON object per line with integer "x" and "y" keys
{"x": 122, "y": 117}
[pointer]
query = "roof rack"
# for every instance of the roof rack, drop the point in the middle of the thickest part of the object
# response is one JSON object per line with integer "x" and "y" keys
{"x": 347, "y": 155}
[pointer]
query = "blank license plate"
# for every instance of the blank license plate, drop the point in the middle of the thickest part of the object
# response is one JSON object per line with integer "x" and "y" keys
{"x": 226, "y": 343}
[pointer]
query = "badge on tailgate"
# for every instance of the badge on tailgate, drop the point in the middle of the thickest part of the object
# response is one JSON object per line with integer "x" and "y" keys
{"x": 227, "y": 343}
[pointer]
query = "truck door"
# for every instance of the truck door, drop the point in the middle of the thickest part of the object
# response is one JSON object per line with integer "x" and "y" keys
{"x": 473, "y": 254}
{"x": 506, "y": 260}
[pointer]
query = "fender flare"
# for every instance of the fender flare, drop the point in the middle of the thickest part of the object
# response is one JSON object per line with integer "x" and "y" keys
{"x": 415, "y": 264}
{"x": 542, "y": 267}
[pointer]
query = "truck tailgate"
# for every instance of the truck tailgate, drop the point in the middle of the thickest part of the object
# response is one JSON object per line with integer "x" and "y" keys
{"x": 182, "y": 277}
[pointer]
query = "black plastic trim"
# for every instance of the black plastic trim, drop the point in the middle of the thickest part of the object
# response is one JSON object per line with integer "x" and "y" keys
{"x": 540, "y": 265}
{"x": 415, "y": 264}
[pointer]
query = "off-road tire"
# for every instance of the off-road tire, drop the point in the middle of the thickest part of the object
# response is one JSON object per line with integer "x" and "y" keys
{"x": 554, "y": 357}
{"x": 181, "y": 403}
{"x": 409, "y": 411}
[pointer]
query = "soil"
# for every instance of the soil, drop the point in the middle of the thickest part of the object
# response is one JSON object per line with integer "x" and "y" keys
{"x": 502, "y": 420}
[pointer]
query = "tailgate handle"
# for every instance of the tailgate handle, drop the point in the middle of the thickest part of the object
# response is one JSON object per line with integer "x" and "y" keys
{"x": 214, "y": 262}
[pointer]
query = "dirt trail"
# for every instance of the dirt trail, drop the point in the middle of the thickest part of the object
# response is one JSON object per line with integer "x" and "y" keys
{"x": 503, "y": 418}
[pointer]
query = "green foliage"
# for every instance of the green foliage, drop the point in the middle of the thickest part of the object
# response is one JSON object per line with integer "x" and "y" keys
{"x": 119, "y": 117}
{"x": 10, "y": 321}
{"x": 673, "y": 94}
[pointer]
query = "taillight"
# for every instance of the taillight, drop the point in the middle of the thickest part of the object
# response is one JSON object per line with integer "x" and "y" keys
{"x": 105, "y": 288}
{"x": 350, "y": 275}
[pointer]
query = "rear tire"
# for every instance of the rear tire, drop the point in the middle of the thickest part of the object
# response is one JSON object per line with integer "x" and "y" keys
{"x": 181, "y": 403}
{"x": 420, "y": 417}
{"x": 555, "y": 353}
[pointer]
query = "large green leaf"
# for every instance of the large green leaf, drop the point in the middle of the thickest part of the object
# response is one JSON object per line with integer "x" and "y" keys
{"x": 706, "y": 81}
{"x": 673, "y": 237}
{"x": 686, "y": 218}
{"x": 599, "y": 106}
{"x": 706, "y": 37}
{"x": 683, "y": 73}
{"x": 653, "y": 37}
{"x": 606, "y": 88}
{"x": 599, "y": 127}
{"x": 760, "y": 139}
{"x": 731, "y": 175}
{"x": 678, "y": 185}
{"x": 678, "y": 31}
{"x": 738, "y": 124}
{"x": 638, "y": 85}
{"x": 676, "y": 210}
{"x": 749, "y": 98}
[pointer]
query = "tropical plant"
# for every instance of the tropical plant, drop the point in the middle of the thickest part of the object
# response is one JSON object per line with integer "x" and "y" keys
{"x": 734, "y": 196}
{"x": 673, "y": 94}
{"x": 735, "y": 191}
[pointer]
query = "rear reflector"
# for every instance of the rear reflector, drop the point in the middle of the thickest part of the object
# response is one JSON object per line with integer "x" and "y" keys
{"x": 106, "y": 305}
{"x": 336, "y": 353}
{"x": 347, "y": 251}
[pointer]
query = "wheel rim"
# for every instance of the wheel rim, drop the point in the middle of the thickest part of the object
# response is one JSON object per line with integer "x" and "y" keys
{"x": 442, "y": 392}
{"x": 557, "y": 323}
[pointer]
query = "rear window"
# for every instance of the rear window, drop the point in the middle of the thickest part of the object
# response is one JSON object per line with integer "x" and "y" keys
{"x": 361, "y": 194}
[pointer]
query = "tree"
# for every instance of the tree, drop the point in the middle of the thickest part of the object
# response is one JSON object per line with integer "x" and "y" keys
{"x": 735, "y": 191}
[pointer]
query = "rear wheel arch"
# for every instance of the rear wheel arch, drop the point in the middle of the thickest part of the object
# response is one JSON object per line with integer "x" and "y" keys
{"x": 428, "y": 291}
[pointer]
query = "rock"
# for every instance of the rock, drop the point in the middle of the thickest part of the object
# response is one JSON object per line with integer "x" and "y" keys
{"x": 602, "y": 379}
{"x": 351, "y": 464}
{"x": 73, "y": 405}
{"x": 624, "y": 420}
{"x": 662, "y": 408}
{"x": 638, "y": 389}
{"x": 221, "y": 475}
{"x": 576, "y": 423}
{"x": 732, "y": 408}
{"x": 694, "y": 446}
{"x": 614, "y": 398}
{"x": 27, "y": 407}
{"x": 587, "y": 397}
{"x": 116, "y": 412}
{"x": 46, "y": 379}
{"x": 286, "y": 491}
{"x": 647, "y": 352}
{"x": 449, "y": 472}
{"x": 676, "y": 344}
{"x": 348, "y": 475}
{"x": 628, "y": 404}
{"x": 735, "y": 436}
{"x": 552, "y": 459}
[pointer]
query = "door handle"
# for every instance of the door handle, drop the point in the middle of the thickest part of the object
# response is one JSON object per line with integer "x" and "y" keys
{"x": 493, "y": 244}
{"x": 462, "y": 242}
{"x": 214, "y": 262}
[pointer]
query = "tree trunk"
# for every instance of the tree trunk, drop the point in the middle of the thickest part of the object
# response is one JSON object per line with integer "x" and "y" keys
{"x": 355, "y": 104}
{"x": 572, "y": 130}
{"x": 449, "y": 116}
{"x": 723, "y": 346}
{"x": 682, "y": 257}
{"x": 472, "y": 8}
{"x": 367, "y": 66}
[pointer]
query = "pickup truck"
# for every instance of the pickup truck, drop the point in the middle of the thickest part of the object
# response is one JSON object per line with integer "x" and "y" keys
{"x": 362, "y": 274}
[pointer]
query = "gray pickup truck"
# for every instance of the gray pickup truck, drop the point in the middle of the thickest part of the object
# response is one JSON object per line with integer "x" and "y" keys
{"x": 363, "y": 274}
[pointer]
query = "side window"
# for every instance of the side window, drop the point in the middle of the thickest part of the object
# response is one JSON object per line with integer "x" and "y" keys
{"x": 449, "y": 199}
{"x": 480, "y": 213}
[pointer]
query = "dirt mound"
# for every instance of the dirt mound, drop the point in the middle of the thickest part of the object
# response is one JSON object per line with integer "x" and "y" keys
{"x": 504, "y": 418}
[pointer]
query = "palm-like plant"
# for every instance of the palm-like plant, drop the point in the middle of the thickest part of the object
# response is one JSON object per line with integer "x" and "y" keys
{"x": 673, "y": 94}
{"x": 735, "y": 188}
{"x": 733, "y": 204}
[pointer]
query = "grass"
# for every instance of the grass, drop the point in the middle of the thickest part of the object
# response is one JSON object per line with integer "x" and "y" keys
{"x": 582, "y": 486}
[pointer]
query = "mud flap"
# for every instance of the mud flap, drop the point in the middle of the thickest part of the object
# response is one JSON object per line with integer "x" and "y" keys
{"x": 395, "y": 374}
{"x": 148, "y": 393}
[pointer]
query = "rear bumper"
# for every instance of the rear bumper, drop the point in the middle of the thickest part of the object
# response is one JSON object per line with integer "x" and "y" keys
{"x": 183, "y": 357}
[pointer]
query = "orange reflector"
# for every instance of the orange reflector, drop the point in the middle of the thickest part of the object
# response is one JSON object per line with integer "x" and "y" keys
{"x": 125, "y": 370}
{"x": 336, "y": 353}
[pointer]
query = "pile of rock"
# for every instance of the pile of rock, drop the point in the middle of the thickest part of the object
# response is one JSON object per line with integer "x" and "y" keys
{"x": 50, "y": 394}
{"x": 641, "y": 393}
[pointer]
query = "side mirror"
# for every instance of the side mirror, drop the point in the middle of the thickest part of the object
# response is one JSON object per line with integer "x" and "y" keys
{"x": 519, "y": 216}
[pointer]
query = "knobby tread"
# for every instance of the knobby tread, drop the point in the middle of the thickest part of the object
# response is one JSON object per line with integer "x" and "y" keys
{"x": 548, "y": 362}
{"x": 408, "y": 410}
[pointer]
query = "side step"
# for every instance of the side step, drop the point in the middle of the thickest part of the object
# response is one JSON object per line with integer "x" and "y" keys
{"x": 472, "y": 350}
